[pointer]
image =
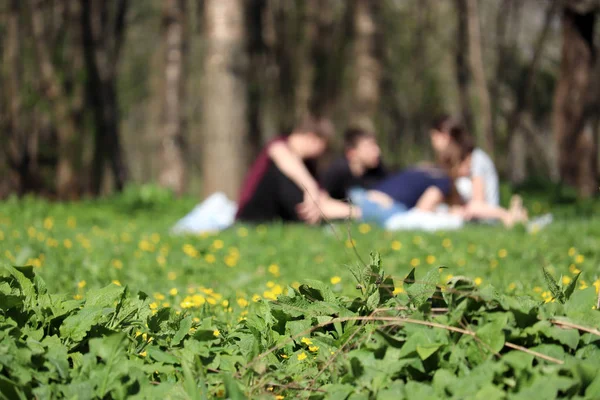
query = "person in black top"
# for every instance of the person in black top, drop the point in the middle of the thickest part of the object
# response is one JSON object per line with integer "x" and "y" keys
{"x": 360, "y": 167}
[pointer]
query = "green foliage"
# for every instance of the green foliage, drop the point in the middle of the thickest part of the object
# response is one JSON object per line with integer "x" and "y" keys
{"x": 112, "y": 344}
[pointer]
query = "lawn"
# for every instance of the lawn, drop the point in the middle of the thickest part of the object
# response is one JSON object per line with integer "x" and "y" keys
{"x": 220, "y": 283}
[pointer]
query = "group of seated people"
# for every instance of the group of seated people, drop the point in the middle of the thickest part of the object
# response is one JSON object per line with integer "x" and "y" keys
{"x": 282, "y": 184}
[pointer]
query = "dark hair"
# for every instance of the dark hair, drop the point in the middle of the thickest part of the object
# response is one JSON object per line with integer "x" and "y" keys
{"x": 353, "y": 135}
{"x": 443, "y": 123}
{"x": 320, "y": 126}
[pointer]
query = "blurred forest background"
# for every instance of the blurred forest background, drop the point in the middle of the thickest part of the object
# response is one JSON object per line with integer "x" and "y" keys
{"x": 99, "y": 94}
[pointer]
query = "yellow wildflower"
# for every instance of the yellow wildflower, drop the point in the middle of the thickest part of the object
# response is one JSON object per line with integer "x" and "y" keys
{"x": 218, "y": 244}
{"x": 274, "y": 269}
{"x": 573, "y": 269}
{"x": 216, "y": 333}
{"x": 67, "y": 243}
{"x": 364, "y": 228}
{"x": 430, "y": 259}
{"x": 173, "y": 292}
{"x": 153, "y": 305}
{"x": 579, "y": 259}
{"x": 335, "y": 280}
{"x": 350, "y": 243}
{"x": 143, "y": 353}
{"x": 159, "y": 296}
{"x": 566, "y": 280}
{"x": 415, "y": 262}
{"x": 313, "y": 348}
{"x": 478, "y": 281}
{"x": 210, "y": 258}
{"x": 537, "y": 289}
{"x": 447, "y": 243}
{"x": 572, "y": 252}
{"x": 398, "y": 289}
{"x": 81, "y": 284}
{"x": 502, "y": 253}
{"x": 302, "y": 356}
{"x": 396, "y": 245}
{"x": 242, "y": 302}
{"x": 306, "y": 341}
{"x": 116, "y": 282}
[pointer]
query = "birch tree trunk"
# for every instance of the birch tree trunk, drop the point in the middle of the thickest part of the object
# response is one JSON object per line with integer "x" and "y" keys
{"x": 224, "y": 108}
{"x": 173, "y": 173}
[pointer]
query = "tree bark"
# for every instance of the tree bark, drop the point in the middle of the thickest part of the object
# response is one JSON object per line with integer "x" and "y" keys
{"x": 102, "y": 44}
{"x": 16, "y": 146}
{"x": 523, "y": 101}
{"x": 463, "y": 72}
{"x": 305, "y": 60}
{"x": 576, "y": 152}
{"x": 367, "y": 83}
{"x": 224, "y": 107}
{"x": 173, "y": 173}
{"x": 476, "y": 59}
{"x": 67, "y": 185}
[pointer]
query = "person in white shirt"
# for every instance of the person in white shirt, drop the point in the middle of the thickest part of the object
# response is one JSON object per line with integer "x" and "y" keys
{"x": 476, "y": 179}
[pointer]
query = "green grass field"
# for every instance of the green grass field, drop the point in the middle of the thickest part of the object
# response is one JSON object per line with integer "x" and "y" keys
{"x": 218, "y": 283}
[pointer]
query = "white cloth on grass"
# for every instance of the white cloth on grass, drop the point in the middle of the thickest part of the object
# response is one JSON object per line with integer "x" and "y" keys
{"x": 214, "y": 214}
{"x": 483, "y": 167}
{"x": 424, "y": 221}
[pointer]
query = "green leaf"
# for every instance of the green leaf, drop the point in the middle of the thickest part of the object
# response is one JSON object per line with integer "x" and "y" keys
{"x": 232, "y": 389}
{"x": 107, "y": 296}
{"x": 421, "y": 291}
{"x": 571, "y": 288}
{"x": 76, "y": 326}
{"x": 492, "y": 333}
{"x": 427, "y": 350}
{"x": 161, "y": 356}
{"x": 184, "y": 328}
{"x": 386, "y": 290}
{"x": 553, "y": 286}
{"x": 373, "y": 301}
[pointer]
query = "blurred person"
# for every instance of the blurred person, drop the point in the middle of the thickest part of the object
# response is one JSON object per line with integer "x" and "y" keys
{"x": 476, "y": 178}
{"x": 360, "y": 165}
{"x": 282, "y": 177}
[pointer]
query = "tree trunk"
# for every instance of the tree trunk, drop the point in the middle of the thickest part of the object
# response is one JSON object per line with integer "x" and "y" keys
{"x": 224, "y": 107}
{"x": 67, "y": 185}
{"x": 523, "y": 101}
{"x": 102, "y": 44}
{"x": 367, "y": 64}
{"x": 305, "y": 60}
{"x": 571, "y": 113}
{"x": 463, "y": 72}
{"x": 484, "y": 108}
{"x": 16, "y": 145}
{"x": 173, "y": 174}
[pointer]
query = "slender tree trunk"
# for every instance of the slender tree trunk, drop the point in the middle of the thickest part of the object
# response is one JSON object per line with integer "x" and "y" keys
{"x": 173, "y": 173}
{"x": 476, "y": 58}
{"x": 367, "y": 83}
{"x": 463, "y": 72}
{"x": 16, "y": 145}
{"x": 224, "y": 107}
{"x": 102, "y": 44}
{"x": 517, "y": 155}
{"x": 576, "y": 157}
{"x": 305, "y": 60}
{"x": 67, "y": 185}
